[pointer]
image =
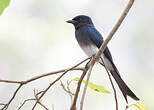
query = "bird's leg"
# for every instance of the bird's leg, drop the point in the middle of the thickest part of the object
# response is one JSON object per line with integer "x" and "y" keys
{"x": 101, "y": 61}
{"x": 88, "y": 63}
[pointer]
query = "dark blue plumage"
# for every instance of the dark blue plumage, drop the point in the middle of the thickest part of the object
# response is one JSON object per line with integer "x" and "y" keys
{"x": 90, "y": 41}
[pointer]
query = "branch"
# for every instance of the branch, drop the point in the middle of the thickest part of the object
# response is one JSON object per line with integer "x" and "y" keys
{"x": 86, "y": 84}
{"x": 67, "y": 89}
{"x": 21, "y": 83}
{"x": 7, "y": 105}
{"x": 37, "y": 77}
{"x": 109, "y": 37}
{"x": 36, "y": 97}
{"x": 32, "y": 99}
{"x": 73, "y": 107}
{"x": 57, "y": 80}
{"x": 114, "y": 90}
{"x": 115, "y": 28}
{"x": 9, "y": 81}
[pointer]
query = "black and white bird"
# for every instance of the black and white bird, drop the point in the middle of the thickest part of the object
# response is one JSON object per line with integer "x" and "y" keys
{"x": 90, "y": 41}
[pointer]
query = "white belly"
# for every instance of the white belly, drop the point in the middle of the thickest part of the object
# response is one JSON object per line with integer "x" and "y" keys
{"x": 92, "y": 50}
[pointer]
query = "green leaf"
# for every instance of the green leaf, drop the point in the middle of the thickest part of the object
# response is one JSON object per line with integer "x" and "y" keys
{"x": 3, "y": 4}
{"x": 140, "y": 107}
{"x": 94, "y": 87}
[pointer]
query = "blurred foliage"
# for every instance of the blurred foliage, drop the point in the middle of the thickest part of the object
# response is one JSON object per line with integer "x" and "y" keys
{"x": 3, "y": 4}
{"x": 94, "y": 87}
{"x": 139, "y": 106}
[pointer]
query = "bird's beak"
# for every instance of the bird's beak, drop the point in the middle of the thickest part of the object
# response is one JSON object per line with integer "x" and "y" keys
{"x": 71, "y": 21}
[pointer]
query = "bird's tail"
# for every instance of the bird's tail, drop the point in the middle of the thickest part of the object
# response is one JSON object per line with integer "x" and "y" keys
{"x": 122, "y": 85}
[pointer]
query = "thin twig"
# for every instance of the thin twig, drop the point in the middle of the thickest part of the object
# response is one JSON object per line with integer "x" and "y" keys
{"x": 32, "y": 99}
{"x": 9, "y": 81}
{"x": 73, "y": 107}
{"x": 6, "y": 106}
{"x": 114, "y": 90}
{"x": 68, "y": 86}
{"x": 115, "y": 28}
{"x": 39, "y": 92}
{"x": 48, "y": 89}
{"x": 27, "y": 100}
{"x": 57, "y": 80}
{"x": 87, "y": 80}
{"x": 67, "y": 90}
{"x": 51, "y": 73}
{"x": 36, "y": 97}
{"x": 38, "y": 77}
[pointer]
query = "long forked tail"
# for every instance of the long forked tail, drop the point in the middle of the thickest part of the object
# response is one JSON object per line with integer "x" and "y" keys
{"x": 122, "y": 85}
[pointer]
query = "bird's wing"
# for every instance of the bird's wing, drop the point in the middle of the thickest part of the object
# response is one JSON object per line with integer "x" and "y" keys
{"x": 97, "y": 39}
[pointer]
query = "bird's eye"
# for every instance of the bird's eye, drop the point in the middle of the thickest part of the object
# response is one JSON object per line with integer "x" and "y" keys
{"x": 77, "y": 19}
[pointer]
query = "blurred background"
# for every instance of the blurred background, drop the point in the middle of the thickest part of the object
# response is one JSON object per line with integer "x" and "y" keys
{"x": 35, "y": 39}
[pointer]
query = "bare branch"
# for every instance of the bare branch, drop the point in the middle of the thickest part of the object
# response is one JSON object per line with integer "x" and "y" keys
{"x": 36, "y": 97}
{"x": 36, "y": 93}
{"x": 87, "y": 80}
{"x": 27, "y": 100}
{"x": 115, "y": 28}
{"x": 57, "y": 80}
{"x": 38, "y": 77}
{"x": 51, "y": 73}
{"x": 73, "y": 107}
{"x": 68, "y": 86}
{"x": 9, "y": 81}
{"x": 67, "y": 89}
{"x": 6, "y": 105}
{"x": 114, "y": 90}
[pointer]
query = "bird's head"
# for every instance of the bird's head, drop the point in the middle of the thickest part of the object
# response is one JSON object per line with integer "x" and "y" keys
{"x": 80, "y": 21}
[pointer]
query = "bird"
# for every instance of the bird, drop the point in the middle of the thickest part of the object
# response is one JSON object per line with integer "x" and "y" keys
{"x": 90, "y": 40}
